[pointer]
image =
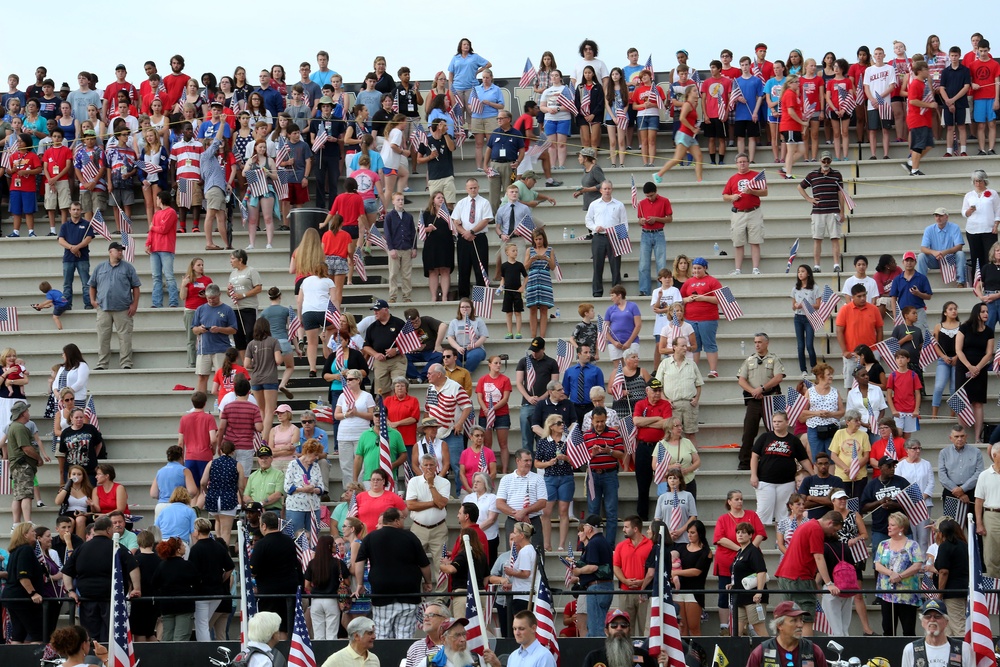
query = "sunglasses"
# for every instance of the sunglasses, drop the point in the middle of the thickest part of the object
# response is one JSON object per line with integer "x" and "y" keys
{"x": 619, "y": 625}
{"x": 557, "y": 423}
{"x": 308, "y": 421}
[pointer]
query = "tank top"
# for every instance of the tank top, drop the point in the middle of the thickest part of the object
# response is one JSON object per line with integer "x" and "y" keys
{"x": 692, "y": 118}
{"x": 74, "y": 504}
{"x": 946, "y": 340}
{"x": 107, "y": 500}
{"x": 635, "y": 391}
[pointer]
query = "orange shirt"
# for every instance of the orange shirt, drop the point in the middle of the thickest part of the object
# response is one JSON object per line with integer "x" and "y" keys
{"x": 336, "y": 244}
{"x": 859, "y": 324}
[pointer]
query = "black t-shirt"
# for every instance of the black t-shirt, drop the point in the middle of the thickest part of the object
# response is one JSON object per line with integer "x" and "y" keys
{"x": 700, "y": 560}
{"x": 954, "y": 557}
{"x": 23, "y": 565}
{"x": 355, "y": 361}
{"x": 599, "y": 657}
{"x": 332, "y": 586}
{"x": 177, "y": 577}
{"x": 380, "y": 119}
{"x": 334, "y": 128}
{"x": 90, "y": 566}
{"x": 815, "y": 486}
{"x": 543, "y": 409}
{"x": 879, "y": 489}
{"x": 442, "y": 166}
{"x": 428, "y": 332}
{"x": 546, "y": 368}
{"x": 777, "y": 457}
{"x": 79, "y": 446}
{"x": 380, "y": 337}
{"x": 597, "y": 552}
{"x": 60, "y": 546}
{"x": 212, "y": 561}
{"x": 396, "y": 558}
{"x": 386, "y": 84}
{"x": 952, "y": 81}
{"x": 147, "y": 568}
{"x": 512, "y": 273}
{"x": 407, "y": 101}
{"x": 275, "y": 564}
{"x": 749, "y": 560}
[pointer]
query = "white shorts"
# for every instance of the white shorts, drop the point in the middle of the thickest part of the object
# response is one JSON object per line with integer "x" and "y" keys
{"x": 825, "y": 225}
{"x": 907, "y": 423}
{"x": 614, "y": 353}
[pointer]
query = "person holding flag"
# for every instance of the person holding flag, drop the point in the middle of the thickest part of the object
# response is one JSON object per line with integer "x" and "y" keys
{"x": 743, "y": 191}
{"x": 555, "y": 102}
{"x": 715, "y": 109}
{"x": 879, "y": 81}
{"x": 941, "y": 248}
{"x": 603, "y": 216}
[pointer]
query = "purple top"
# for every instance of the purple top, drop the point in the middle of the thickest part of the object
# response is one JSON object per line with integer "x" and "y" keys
{"x": 622, "y": 321}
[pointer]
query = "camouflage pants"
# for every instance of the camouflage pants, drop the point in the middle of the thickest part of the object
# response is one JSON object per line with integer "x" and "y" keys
{"x": 22, "y": 478}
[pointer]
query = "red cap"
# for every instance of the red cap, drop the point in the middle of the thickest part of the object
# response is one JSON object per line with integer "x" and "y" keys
{"x": 615, "y": 613}
{"x": 788, "y": 608}
{"x": 909, "y": 255}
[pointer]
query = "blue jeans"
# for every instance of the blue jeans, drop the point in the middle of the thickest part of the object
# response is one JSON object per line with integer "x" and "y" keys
{"x": 804, "y": 336}
{"x": 606, "y": 490}
{"x": 925, "y": 262}
{"x": 299, "y": 518}
{"x": 456, "y": 444}
{"x": 162, "y": 266}
{"x": 944, "y": 377}
{"x": 471, "y": 359}
{"x": 81, "y": 266}
{"x": 818, "y": 444}
{"x": 334, "y": 397}
{"x": 527, "y": 435}
{"x": 652, "y": 242}
{"x": 993, "y": 308}
{"x": 877, "y": 539}
{"x": 421, "y": 374}
{"x": 595, "y": 617}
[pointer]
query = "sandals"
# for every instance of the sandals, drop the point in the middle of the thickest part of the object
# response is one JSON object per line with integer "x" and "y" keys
{"x": 213, "y": 247}
{"x": 288, "y": 394}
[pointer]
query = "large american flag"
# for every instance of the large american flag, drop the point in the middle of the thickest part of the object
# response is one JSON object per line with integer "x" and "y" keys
{"x": 407, "y": 341}
{"x": 564, "y": 355}
{"x": 730, "y": 306}
{"x": 121, "y": 651}
{"x": 482, "y": 300}
{"x": 959, "y": 403}
{"x": 887, "y": 349}
{"x": 978, "y": 631}
{"x": 773, "y": 403}
{"x": 300, "y": 652}
{"x": 384, "y": 449}
{"x": 99, "y": 226}
{"x": 527, "y": 77}
{"x": 256, "y": 185}
{"x": 8, "y": 319}
{"x": 911, "y": 499}
{"x": 664, "y": 630}
{"x": 620, "y": 244}
{"x": 545, "y": 612}
{"x": 525, "y": 228}
{"x": 602, "y": 334}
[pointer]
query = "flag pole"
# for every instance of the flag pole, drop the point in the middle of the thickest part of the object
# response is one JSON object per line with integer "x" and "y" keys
{"x": 241, "y": 542}
{"x": 475, "y": 589}
{"x": 531, "y": 586}
{"x": 659, "y": 574}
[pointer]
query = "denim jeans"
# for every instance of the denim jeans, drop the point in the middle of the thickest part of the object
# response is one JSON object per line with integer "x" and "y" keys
{"x": 470, "y": 360}
{"x": 456, "y": 444}
{"x": 299, "y": 518}
{"x": 595, "y": 617}
{"x": 818, "y": 444}
{"x": 944, "y": 377}
{"x": 606, "y": 490}
{"x": 527, "y": 435}
{"x": 652, "y": 242}
{"x": 420, "y": 373}
{"x": 162, "y": 266}
{"x": 925, "y": 262}
{"x": 81, "y": 266}
{"x": 993, "y": 308}
{"x": 804, "y": 336}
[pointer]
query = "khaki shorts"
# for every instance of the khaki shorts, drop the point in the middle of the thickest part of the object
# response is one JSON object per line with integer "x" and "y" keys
{"x": 216, "y": 199}
{"x": 93, "y": 201}
{"x": 748, "y": 614}
{"x": 206, "y": 363}
{"x": 446, "y": 186}
{"x": 688, "y": 414}
{"x": 747, "y": 227}
{"x": 386, "y": 370}
{"x": 483, "y": 125}
{"x": 60, "y": 198}
{"x": 825, "y": 225}
{"x": 22, "y": 479}
{"x": 802, "y": 592}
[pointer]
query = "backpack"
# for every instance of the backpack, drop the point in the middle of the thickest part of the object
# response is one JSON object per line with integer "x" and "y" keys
{"x": 242, "y": 658}
{"x": 845, "y": 577}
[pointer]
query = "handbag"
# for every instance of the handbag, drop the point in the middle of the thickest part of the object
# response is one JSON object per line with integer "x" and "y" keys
{"x": 826, "y": 431}
{"x": 845, "y": 577}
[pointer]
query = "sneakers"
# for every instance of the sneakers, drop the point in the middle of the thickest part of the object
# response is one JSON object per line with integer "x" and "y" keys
{"x": 269, "y": 246}
{"x": 948, "y": 154}
{"x": 249, "y": 247}
{"x": 657, "y": 178}
{"x": 963, "y": 154}
{"x": 991, "y": 152}
{"x": 13, "y": 235}
{"x": 508, "y": 336}
{"x": 917, "y": 172}
{"x": 735, "y": 272}
{"x": 518, "y": 336}
{"x": 713, "y": 374}
{"x": 982, "y": 152}
{"x": 553, "y": 183}
{"x": 756, "y": 271}
{"x": 816, "y": 268}
{"x": 836, "y": 268}
{"x": 32, "y": 234}
{"x": 908, "y": 166}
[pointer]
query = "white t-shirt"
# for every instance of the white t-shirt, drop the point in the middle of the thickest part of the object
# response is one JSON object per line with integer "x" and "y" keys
{"x": 544, "y": 101}
{"x": 686, "y": 331}
{"x": 391, "y": 158}
{"x": 664, "y": 297}
{"x": 487, "y": 503}
{"x": 600, "y": 69}
{"x": 351, "y": 428}
{"x": 879, "y": 80}
{"x": 524, "y": 562}
{"x": 315, "y": 294}
{"x": 231, "y": 396}
{"x": 937, "y": 656}
{"x": 871, "y": 287}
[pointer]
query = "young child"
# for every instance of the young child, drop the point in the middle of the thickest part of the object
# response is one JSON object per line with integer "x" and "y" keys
{"x": 400, "y": 236}
{"x": 911, "y": 339}
{"x": 585, "y": 333}
{"x": 511, "y": 273}
{"x": 58, "y": 163}
{"x": 902, "y": 393}
{"x": 675, "y": 565}
{"x": 669, "y": 332}
{"x": 661, "y": 300}
{"x": 54, "y": 299}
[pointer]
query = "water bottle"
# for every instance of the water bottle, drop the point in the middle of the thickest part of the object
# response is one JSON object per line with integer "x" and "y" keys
{"x": 760, "y": 612}
{"x": 572, "y": 233}
{"x": 565, "y": 234}
{"x": 743, "y": 348}
{"x": 715, "y": 249}
{"x": 557, "y": 312}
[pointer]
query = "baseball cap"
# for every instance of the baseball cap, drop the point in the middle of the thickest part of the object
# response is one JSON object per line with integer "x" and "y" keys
{"x": 940, "y": 210}
{"x": 411, "y": 313}
{"x": 529, "y": 174}
{"x": 615, "y": 613}
{"x": 593, "y": 520}
{"x": 89, "y": 133}
{"x": 119, "y": 66}
{"x": 909, "y": 255}
{"x": 587, "y": 152}
{"x": 934, "y": 605}
{"x": 216, "y": 103}
{"x": 788, "y": 608}
{"x": 253, "y": 507}
{"x": 284, "y": 407}
{"x": 115, "y": 245}
{"x": 452, "y": 622}
{"x": 264, "y": 451}
{"x": 825, "y": 155}
{"x": 839, "y": 493}
{"x": 654, "y": 384}
{"x": 886, "y": 459}
{"x": 537, "y": 343}
{"x": 380, "y": 304}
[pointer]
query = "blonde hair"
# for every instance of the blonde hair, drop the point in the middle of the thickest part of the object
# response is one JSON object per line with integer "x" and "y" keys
{"x": 309, "y": 259}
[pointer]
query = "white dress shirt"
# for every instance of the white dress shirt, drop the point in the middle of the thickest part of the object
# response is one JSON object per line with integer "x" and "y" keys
{"x": 483, "y": 212}
{"x": 603, "y": 215}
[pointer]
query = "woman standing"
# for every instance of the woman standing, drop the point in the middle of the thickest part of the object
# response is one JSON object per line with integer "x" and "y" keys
{"x": 304, "y": 485}
{"x": 476, "y": 458}
{"x": 811, "y": 87}
{"x": 683, "y": 456}
{"x": 395, "y": 148}
{"x": 493, "y": 393}
{"x": 988, "y": 291}
{"x": 635, "y": 383}
{"x": 73, "y": 499}
{"x": 222, "y": 486}
{"x": 22, "y": 594}
{"x": 439, "y": 88}
{"x": 676, "y": 507}
{"x": 540, "y": 261}
{"x": 848, "y": 444}
{"x": 468, "y": 335}
{"x": 773, "y": 89}
{"x": 974, "y": 348}
{"x": 702, "y": 312}
{"x": 484, "y": 498}
{"x": 458, "y": 568}
{"x": 839, "y": 90}
{"x": 177, "y": 519}
{"x": 824, "y": 411}
{"x": 852, "y": 532}
{"x": 342, "y": 358}
{"x": 353, "y": 418}
{"x": 615, "y": 103}
{"x": 277, "y": 316}
{"x": 952, "y": 565}
{"x": 867, "y": 400}
{"x": 463, "y": 69}
{"x": 361, "y": 603}
{"x": 323, "y": 576}
{"x": 550, "y": 455}
{"x": 748, "y": 562}
{"x": 590, "y": 105}
{"x": 244, "y": 286}
{"x": 558, "y": 119}
{"x": 981, "y": 210}
{"x": 175, "y": 577}
{"x": 518, "y": 574}
{"x": 109, "y": 495}
{"x": 899, "y": 562}
{"x": 261, "y": 198}
{"x": 725, "y": 540}
{"x": 283, "y": 438}
{"x": 787, "y": 526}
{"x": 945, "y": 334}
{"x": 74, "y": 373}
{"x": 685, "y": 139}
{"x": 918, "y": 471}
{"x": 438, "y": 254}
{"x": 805, "y": 290}
{"x": 624, "y": 320}
{"x": 262, "y": 358}
{"x": 153, "y": 154}
{"x": 315, "y": 295}
{"x": 378, "y": 499}
{"x": 695, "y": 556}
{"x": 793, "y": 124}
{"x": 193, "y": 287}
{"x": 647, "y": 100}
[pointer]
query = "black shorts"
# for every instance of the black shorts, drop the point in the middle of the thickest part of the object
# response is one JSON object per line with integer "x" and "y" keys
{"x": 298, "y": 284}
{"x": 876, "y": 122}
{"x": 957, "y": 118}
{"x": 352, "y": 230}
{"x": 633, "y": 116}
{"x": 921, "y": 138}
{"x": 512, "y": 303}
{"x": 714, "y": 128}
{"x": 791, "y": 137}
{"x": 746, "y": 128}
{"x": 245, "y": 319}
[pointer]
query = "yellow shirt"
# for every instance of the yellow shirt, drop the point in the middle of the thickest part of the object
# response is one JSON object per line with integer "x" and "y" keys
{"x": 346, "y": 657}
{"x": 843, "y": 447}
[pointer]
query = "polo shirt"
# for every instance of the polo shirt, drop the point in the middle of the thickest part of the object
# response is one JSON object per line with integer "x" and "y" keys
{"x": 213, "y": 316}
{"x": 825, "y": 190}
{"x": 631, "y": 558}
{"x": 368, "y": 449}
{"x": 900, "y": 289}
{"x": 114, "y": 285}
{"x": 936, "y": 238}
{"x": 492, "y": 94}
{"x": 74, "y": 233}
{"x": 608, "y": 438}
{"x": 988, "y": 487}
{"x": 646, "y": 409}
{"x": 513, "y": 489}
{"x": 659, "y": 207}
{"x": 461, "y": 376}
{"x": 380, "y": 337}
{"x": 400, "y": 409}
{"x": 798, "y": 562}
{"x": 859, "y": 324}
{"x": 262, "y": 483}
{"x": 347, "y": 657}
{"x": 318, "y": 434}
{"x": 504, "y": 146}
{"x": 418, "y": 489}
{"x": 563, "y": 408}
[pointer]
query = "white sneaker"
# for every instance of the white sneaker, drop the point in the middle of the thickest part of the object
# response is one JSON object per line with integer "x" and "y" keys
{"x": 735, "y": 272}
{"x": 836, "y": 268}
{"x": 756, "y": 272}
{"x": 268, "y": 246}
{"x": 816, "y": 268}
{"x": 249, "y": 247}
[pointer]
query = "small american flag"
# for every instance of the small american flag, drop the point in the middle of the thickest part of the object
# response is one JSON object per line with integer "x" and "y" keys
{"x": 928, "y": 353}
{"x": 996, "y": 359}
{"x": 99, "y": 226}
{"x": 653, "y": 95}
{"x": 821, "y": 623}
{"x": 859, "y": 550}
{"x": 791, "y": 255}
{"x": 887, "y": 349}
{"x": 5, "y": 160}
{"x": 564, "y": 99}
{"x": 445, "y": 215}
{"x": 635, "y": 194}
{"x": 442, "y": 580}
{"x": 90, "y": 414}
{"x": 528, "y": 75}
{"x": 384, "y": 446}
{"x": 956, "y": 509}
{"x": 244, "y": 212}
{"x": 621, "y": 117}
{"x": 538, "y": 148}
{"x": 884, "y": 106}
{"x": 300, "y": 651}
{"x": 570, "y": 565}
{"x": 617, "y": 387}
{"x": 757, "y": 72}
{"x": 730, "y": 306}
{"x": 185, "y": 192}
{"x": 602, "y": 334}
{"x": 89, "y": 172}
{"x": 758, "y": 182}
{"x": 620, "y": 243}
{"x": 959, "y": 403}
{"x": 735, "y": 96}
{"x": 407, "y": 341}
{"x": 722, "y": 104}
{"x": 151, "y": 167}
{"x": 629, "y": 434}
{"x": 482, "y": 301}
{"x": 911, "y": 499}
{"x": 949, "y": 269}
{"x": 376, "y": 239}
{"x": 332, "y": 315}
{"x": 577, "y": 452}
{"x": 491, "y": 412}
{"x": 294, "y": 326}
{"x": 529, "y": 372}
{"x": 977, "y": 278}
{"x": 320, "y": 141}
{"x": 855, "y": 461}
{"x": 475, "y": 104}
{"x": 557, "y": 272}
{"x": 584, "y": 100}
{"x": 5, "y": 483}
{"x": 828, "y": 302}
{"x": 663, "y": 461}
{"x": 524, "y": 228}
{"x": 491, "y": 172}
{"x": 795, "y": 403}
{"x": 890, "y": 449}
{"x": 128, "y": 247}
{"x": 359, "y": 265}
{"x": 122, "y": 654}
{"x": 564, "y": 355}
{"x": 283, "y": 155}
{"x": 773, "y": 403}
{"x": 418, "y": 137}
{"x": 352, "y": 508}
{"x": 649, "y": 63}
{"x": 846, "y": 99}
{"x": 256, "y": 184}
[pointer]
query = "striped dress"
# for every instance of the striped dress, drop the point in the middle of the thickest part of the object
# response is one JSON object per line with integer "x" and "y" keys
{"x": 538, "y": 291}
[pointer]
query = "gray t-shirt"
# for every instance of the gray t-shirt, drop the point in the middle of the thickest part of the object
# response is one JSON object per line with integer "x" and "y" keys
{"x": 260, "y": 355}
{"x": 800, "y": 295}
{"x": 244, "y": 281}
{"x": 80, "y": 100}
{"x": 593, "y": 179}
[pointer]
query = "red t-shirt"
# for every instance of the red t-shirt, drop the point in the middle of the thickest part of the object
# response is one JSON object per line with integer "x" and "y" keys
{"x": 902, "y": 67}
{"x": 226, "y": 382}
{"x": 700, "y": 311}
{"x": 336, "y": 244}
{"x": 401, "y": 409}
{"x": 878, "y": 451}
{"x": 725, "y": 526}
{"x": 710, "y": 90}
{"x": 646, "y": 409}
{"x": 903, "y": 384}
{"x": 191, "y": 300}
{"x": 657, "y": 208}
{"x": 111, "y": 93}
{"x": 496, "y": 388}
{"x": 833, "y": 87}
{"x": 798, "y": 562}
{"x": 812, "y": 93}
{"x": 985, "y": 74}
{"x": 370, "y": 509}
{"x": 917, "y": 116}
{"x": 884, "y": 280}
{"x": 24, "y": 162}
{"x": 790, "y": 100}
{"x": 174, "y": 83}
{"x": 766, "y": 69}
{"x": 525, "y": 123}
{"x": 732, "y": 73}
{"x": 55, "y": 160}
{"x": 856, "y": 73}
{"x": 196, "y": 427}
{"x": 738, "y": 183}
{"x": 350, "y": 206}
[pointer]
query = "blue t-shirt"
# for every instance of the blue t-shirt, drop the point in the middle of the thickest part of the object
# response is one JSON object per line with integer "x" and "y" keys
{"x": 74, "y": 233}
{"x": 213, "y": 316}
{"x": 377, "y": 165}
{"x": 322, "y": 78}
{"x": 208, "y": 129}
{"x": 630, "y": 71}
{"x": 751, "y": 88}
{"x": 465, "y": 70}
{"x": 56, "y": 297}
{"x": 319, "y": 434}
{"x": 900, "y": 289}
{"x": 622, "y": 322}
{"x": 773, "y": 90}
{"x": 437, "y": 113}
{"x": 494, "y": 95}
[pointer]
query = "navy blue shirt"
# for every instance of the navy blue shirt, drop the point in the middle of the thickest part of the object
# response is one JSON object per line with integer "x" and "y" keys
{"x": 952, "y": 81}
{"x": 878, "y": 489}
{"x": 900, "y": 289}
{"x": 399, "y": 230}
{"x": 819, "y": 487}
{"x": 335, "y": 128}
{"x": 504, "y": 146}
{"x": 597, "y": 552}
{"x": 74, "y": 233}
{"x": 273, "y": 102}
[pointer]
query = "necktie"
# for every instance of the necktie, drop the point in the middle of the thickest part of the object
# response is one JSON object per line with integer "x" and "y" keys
{"x": 512, "y": 225}
{"x": 677, "y": 501}
{"x": 472, "y": 213}
{"x": 579, "y": 388}
{"x": 430, "y": 448}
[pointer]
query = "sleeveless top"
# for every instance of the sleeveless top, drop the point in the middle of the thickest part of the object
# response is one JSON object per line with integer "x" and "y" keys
{"x": 946, "y": 340}
{"x": 635, "y": 391}
{"x": 222, "y": 480}
{"x": 74, "y": 504}
{"x": 850, "y": 528}
{"x": 107, "y": 499}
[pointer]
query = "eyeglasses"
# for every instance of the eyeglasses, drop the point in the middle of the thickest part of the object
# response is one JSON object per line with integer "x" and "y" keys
{"x": 426, "y": 615}
{"x": 788, "y": 657}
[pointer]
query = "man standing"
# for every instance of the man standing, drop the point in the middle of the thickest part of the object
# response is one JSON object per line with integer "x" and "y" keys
{"x": 531, "y": 652}
{"x": 273, "y": 101}
{"x": 579, "y": 380}
{"x": 93, "y": 191}
{"x": 606, "y": 450}
{"x": 174, "y": 83}
{"x": 618, "y": 649}
{"x": 471, "y": 217}
{"x": 760, "y": 375}
{"x": 110, "y": 100}
{"x": 213, "y": 177}
{"x": 797, "y": 570}
{"x": 940, "y": 240}
{"x": 595, "y": 569}
{"x": 878, "y": 499}
{"x": 630, "y": 570}
{"x": 650, "y": 418}
{"x": 858, "y": 323}
{"x": 275, "y": 567}
{"x": 449, "y": 404}
{"x": 746, "y": 111}
{"x": 327, "y": 159}
{"x": 185, "y": 164}
{"x": 746, "y": 222}
{"x": 544, "y": 369}
{"x": 959, "y": 468}
{"x": 506, "y": 147}
{"x": 266, "y": 484}
{"x": 82, "y": 98}
{"x": 398, "y": 563}
{"x": 369, "y": 451}
{"x": 827, "y": 199}
{"x": 380, "y": 343}
{"x": 213, "y": 323}
{"x": 114, "y": 288}
{"x": 985, "y": 74}
{"x": 911, "y": 288}
{"x": 431, "y": 333}
{"x": 24, "y": 460}
{"x": 324, "y": 74}
{"x": 555, "y": 404}
{"x": 816, "y": 488}
{"x": 789, "y": 621}
{"x": 654, "y": 214}
{"x": 427, "y": 501}
{"x": 682, "y": 383}
{"x": 521, "y": 496}
{"x": 987, "y": 496}
{"x": 956, "y": 80}
{"x": 936, "y": 647}
{"x": 75, "y": 236}
{"x": 604, "y": 215}
{"x": 435, "y": 617}
{"x": 238, "y": 422}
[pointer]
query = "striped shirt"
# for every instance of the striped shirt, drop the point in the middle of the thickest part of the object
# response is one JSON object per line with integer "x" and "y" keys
{"x": 825, "y": 190}
{"x": 446, "y": 405}
{"x": 187, "y": 155}
{"x": 609, "y": 438}
{"x": 513, "y": 488}
{"x": 240, "y": 418}
{"x": 416, "y": 655}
